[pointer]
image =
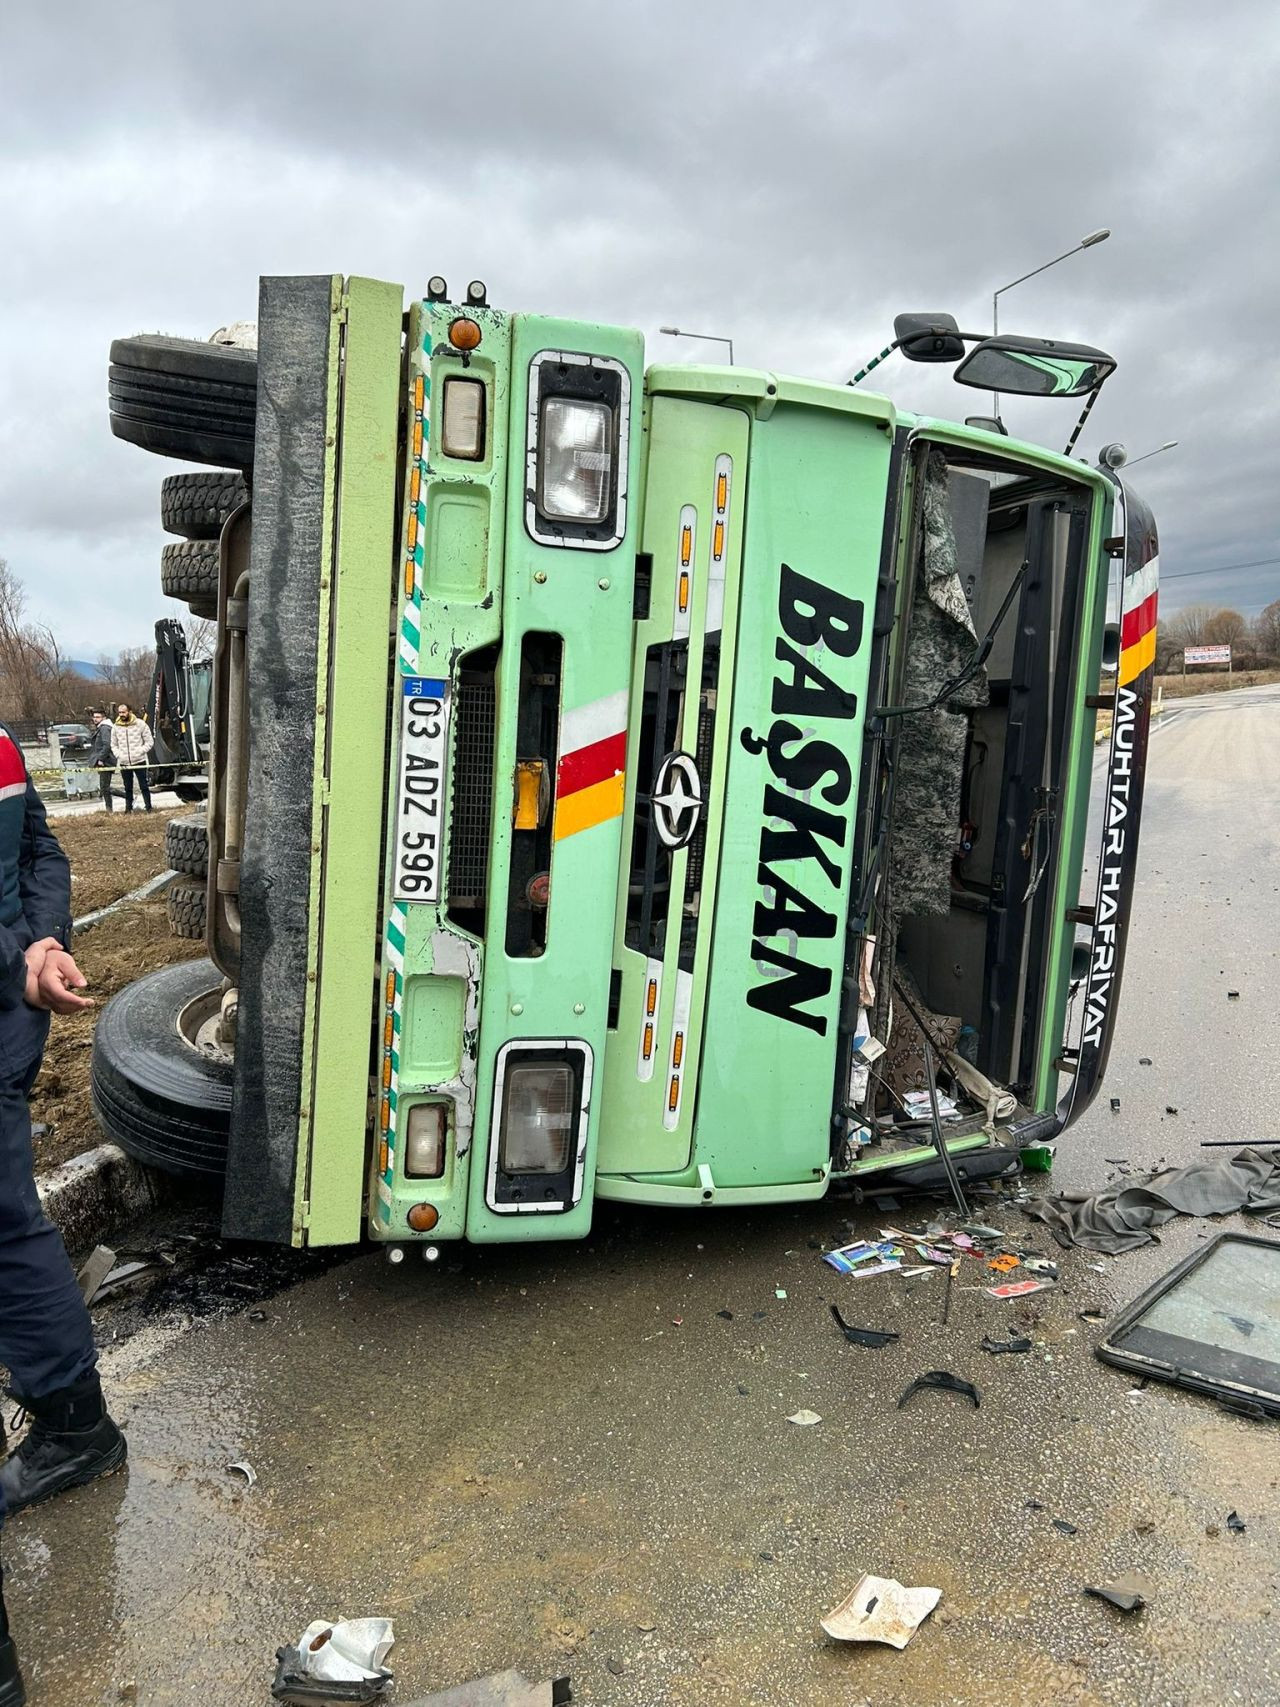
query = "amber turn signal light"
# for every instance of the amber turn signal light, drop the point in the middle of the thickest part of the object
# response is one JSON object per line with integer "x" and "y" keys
{"x": 423, "y": 1217}
{"x": 464, "y": 334}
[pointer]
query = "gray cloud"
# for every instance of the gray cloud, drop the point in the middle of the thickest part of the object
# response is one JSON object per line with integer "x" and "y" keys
{"x": 790, "y": 178}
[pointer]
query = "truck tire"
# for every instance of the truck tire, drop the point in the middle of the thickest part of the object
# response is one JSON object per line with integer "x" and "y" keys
{"x": 186, "y": 846}
{"x": 194, "y": 506}
{"x": 189, "y": 570}
{"x": 184, "y": 901}
{"x": 179, "y": 397}
{"x": 154, "y": 1094}
{"x": 192, "y": 792}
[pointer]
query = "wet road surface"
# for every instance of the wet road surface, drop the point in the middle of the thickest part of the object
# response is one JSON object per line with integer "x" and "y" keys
{"x": 569, "y": 1460}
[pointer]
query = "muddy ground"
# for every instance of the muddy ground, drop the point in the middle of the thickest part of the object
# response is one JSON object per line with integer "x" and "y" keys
{"x": 111, "y": 855}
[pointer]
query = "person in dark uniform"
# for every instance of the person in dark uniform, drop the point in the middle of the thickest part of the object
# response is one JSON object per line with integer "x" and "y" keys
{"x": 46, "y": 1340}
{"x": 103, "y": 757}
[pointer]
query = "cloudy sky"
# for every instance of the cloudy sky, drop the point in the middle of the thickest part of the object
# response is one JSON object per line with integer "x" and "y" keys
{"x": 791, "y": 176}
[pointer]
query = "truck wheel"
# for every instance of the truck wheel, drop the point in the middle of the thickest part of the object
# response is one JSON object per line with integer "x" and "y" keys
{"x": 185, "y": 903}
{"x": 192, "y": 793}
{"x": 189, "y": 571}
{"x": 186, "y": 846}
{"x": 179, "y": 397}
{"x": 155, "y": 1094}
{"x": 194, "y": 506}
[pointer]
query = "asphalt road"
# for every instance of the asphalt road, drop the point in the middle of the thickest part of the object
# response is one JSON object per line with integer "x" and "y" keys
{"x": 571, "y": 1460}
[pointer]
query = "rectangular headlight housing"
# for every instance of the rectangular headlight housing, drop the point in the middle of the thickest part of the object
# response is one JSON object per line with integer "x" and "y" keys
{"x": 576, "y": 452}
{"x": 575, "y": 467}
{"x": 462, "y": 419}
{"x": 541, "y": 1097}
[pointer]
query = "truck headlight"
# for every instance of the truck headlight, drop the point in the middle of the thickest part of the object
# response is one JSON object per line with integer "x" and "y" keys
{"x": 575, "y": 468}
{"x": 542, "y": 1091}
{"x": 537, "y": 1119}
{"x": 578, "y": 417}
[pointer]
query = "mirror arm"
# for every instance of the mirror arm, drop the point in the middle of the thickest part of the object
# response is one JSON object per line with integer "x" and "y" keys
{"x": 965, "y": 337}
{"x": 1089, "y": 402}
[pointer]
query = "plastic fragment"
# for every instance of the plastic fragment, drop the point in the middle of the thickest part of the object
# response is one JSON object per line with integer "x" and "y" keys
{"x": 863, "y": 1336}
{"x": 1065, "y": 1528}
{"x": 242, "y": 1468}
{"x": 1017, "y": 1288}
{"x": 1129, "y": 1593}
{"x": 1235, "y": 1523}
{"x": 946, "y": 1382}
{"x": 880, "y": 1609}
{"x": 1004, "y": 1263}
{"x": 996, "y": 1346}
{"x": 805, "y": 1419}
{"x": 779, "y": 1292}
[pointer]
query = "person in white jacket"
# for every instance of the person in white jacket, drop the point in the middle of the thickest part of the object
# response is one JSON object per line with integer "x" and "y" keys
{"x": 131, "y": 742}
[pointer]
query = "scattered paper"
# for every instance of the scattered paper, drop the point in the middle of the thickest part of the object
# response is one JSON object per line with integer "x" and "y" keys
{"x": 1017, "y": 1288}
{"x": 805, "y": 1419}
{"x": 1004, "y": 1263}
{"x": 881, "y": 1610}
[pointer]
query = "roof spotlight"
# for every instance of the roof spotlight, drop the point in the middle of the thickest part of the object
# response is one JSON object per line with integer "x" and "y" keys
{"x": 1112, "y": 456}
{"x": 437, "y": 289}
{"x": 477, "y": 295}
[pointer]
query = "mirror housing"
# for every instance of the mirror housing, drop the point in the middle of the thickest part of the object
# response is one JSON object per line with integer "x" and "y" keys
{"x": 1035, "y": 367}
{"x": 928, "y": 337}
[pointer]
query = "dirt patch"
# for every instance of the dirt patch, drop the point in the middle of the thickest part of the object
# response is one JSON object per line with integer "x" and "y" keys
{"x": 111, "y": 853}
{"x": 130, "y": 943}
{"x": 1191, "y": 687}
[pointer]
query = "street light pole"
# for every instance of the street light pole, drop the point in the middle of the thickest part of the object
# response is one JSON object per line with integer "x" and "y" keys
{"x": 704, "y": 337}
{"x": 1084, "y": 243}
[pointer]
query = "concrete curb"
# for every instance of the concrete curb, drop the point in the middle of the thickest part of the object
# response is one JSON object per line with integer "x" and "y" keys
{"x": 90, "y": 1196}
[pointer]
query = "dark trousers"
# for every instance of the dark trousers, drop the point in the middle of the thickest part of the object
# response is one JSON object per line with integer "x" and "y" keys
{"x": 104, "y": 783}
{"x": 127, "y": 776}
{"x": 46, "y": 1339}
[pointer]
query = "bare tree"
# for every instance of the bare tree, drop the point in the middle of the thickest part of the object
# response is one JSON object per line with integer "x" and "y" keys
{"x": 36, "y": 682}
{"x": 1266, "y": 630}
{"x": 201, "y": 634}
{"x": 127, "y": 676}
{"x": 1226, "y": 628}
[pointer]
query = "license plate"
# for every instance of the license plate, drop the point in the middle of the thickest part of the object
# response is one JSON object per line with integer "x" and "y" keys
{"x": 424, "y": 744}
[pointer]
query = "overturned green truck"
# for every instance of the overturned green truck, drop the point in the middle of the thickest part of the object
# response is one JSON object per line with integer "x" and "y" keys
{"x": 667, "y": 785}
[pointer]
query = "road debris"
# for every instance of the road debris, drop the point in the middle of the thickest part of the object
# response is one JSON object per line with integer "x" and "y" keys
{"x": 1235, "y": 1523}
{"x": 1128, "y": 1593}
{"x": 505, "y": 1689}
{"x": 805, "y": 1419}
{"x": 1233, "y": 995}
{"x": 1004, "y": 1263}
{"x": 945, "y": 1382}
{"x": 997, "y": 1346}
{"x": 1124, "y": 1218}
{"x": 1065, "y": 1528}
{"x": 95, "y": 1269}
{"x": 1017, "y": 1288}
{"x": 863, "y": 1336}
{"x": 335, "y": 1661}
{"x": 242, "y": 1468}
{"x": 880, "y": 1609}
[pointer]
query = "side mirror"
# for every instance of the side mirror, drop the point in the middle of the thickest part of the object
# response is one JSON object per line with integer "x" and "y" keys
{"x": 928, "y": 337}
{"x": 1035, "y": 367}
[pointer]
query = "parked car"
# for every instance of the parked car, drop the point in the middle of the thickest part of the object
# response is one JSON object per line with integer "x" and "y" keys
{"x": 75, "y": 740}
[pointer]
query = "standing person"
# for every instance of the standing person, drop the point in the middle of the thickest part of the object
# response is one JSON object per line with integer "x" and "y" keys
{"x": 103, "y": 759}
{"x": 131, "y": 742}
{"x": 46, "y": 1339}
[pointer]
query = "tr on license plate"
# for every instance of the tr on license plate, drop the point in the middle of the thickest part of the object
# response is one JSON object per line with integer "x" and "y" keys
{"x": 424, "y": 733}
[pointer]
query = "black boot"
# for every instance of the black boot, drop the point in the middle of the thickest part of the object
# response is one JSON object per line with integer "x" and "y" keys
{"x": 12, "y": 1693}
{"x": 71, "y": 1441}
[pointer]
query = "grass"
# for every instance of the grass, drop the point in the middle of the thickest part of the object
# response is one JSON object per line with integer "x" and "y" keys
{"x": 1192, "y": 686}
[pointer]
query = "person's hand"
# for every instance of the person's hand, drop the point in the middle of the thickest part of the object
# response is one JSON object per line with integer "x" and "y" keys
{"x": 55, "y": 979}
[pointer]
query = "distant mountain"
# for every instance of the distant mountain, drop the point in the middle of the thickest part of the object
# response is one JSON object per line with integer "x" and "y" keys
{"x": 82, "y": 667}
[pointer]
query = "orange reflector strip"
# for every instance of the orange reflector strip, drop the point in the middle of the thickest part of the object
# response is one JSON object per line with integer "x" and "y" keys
{"x": 389, "y": 1032}
{"x": 384, "y": 1156}
{"x": 651, "y": 999}
{"x": 417, "y": 437}
{"x": 648, "y": 1042}
{"x": 684, "y": 592}
{"x": 386, "y": 1114}
{"x": 419, "y": 392}
{"x": 674, "y": 1097}
{"x": 529, "y": 775}
{"x": 686, "y": 546}
{"x": 677, "y": 1049}
{"x": 717, "y": 543}
{"x": 415, "y": 485}
{"x": 722, "y": 490}
{"x": 386, "y": 1073}
{"x": 408, "y": 575}
{"x": 391, "y": 988}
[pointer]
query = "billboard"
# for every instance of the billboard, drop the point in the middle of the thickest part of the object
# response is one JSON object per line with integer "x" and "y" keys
{"x": 1206, "y": 654}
